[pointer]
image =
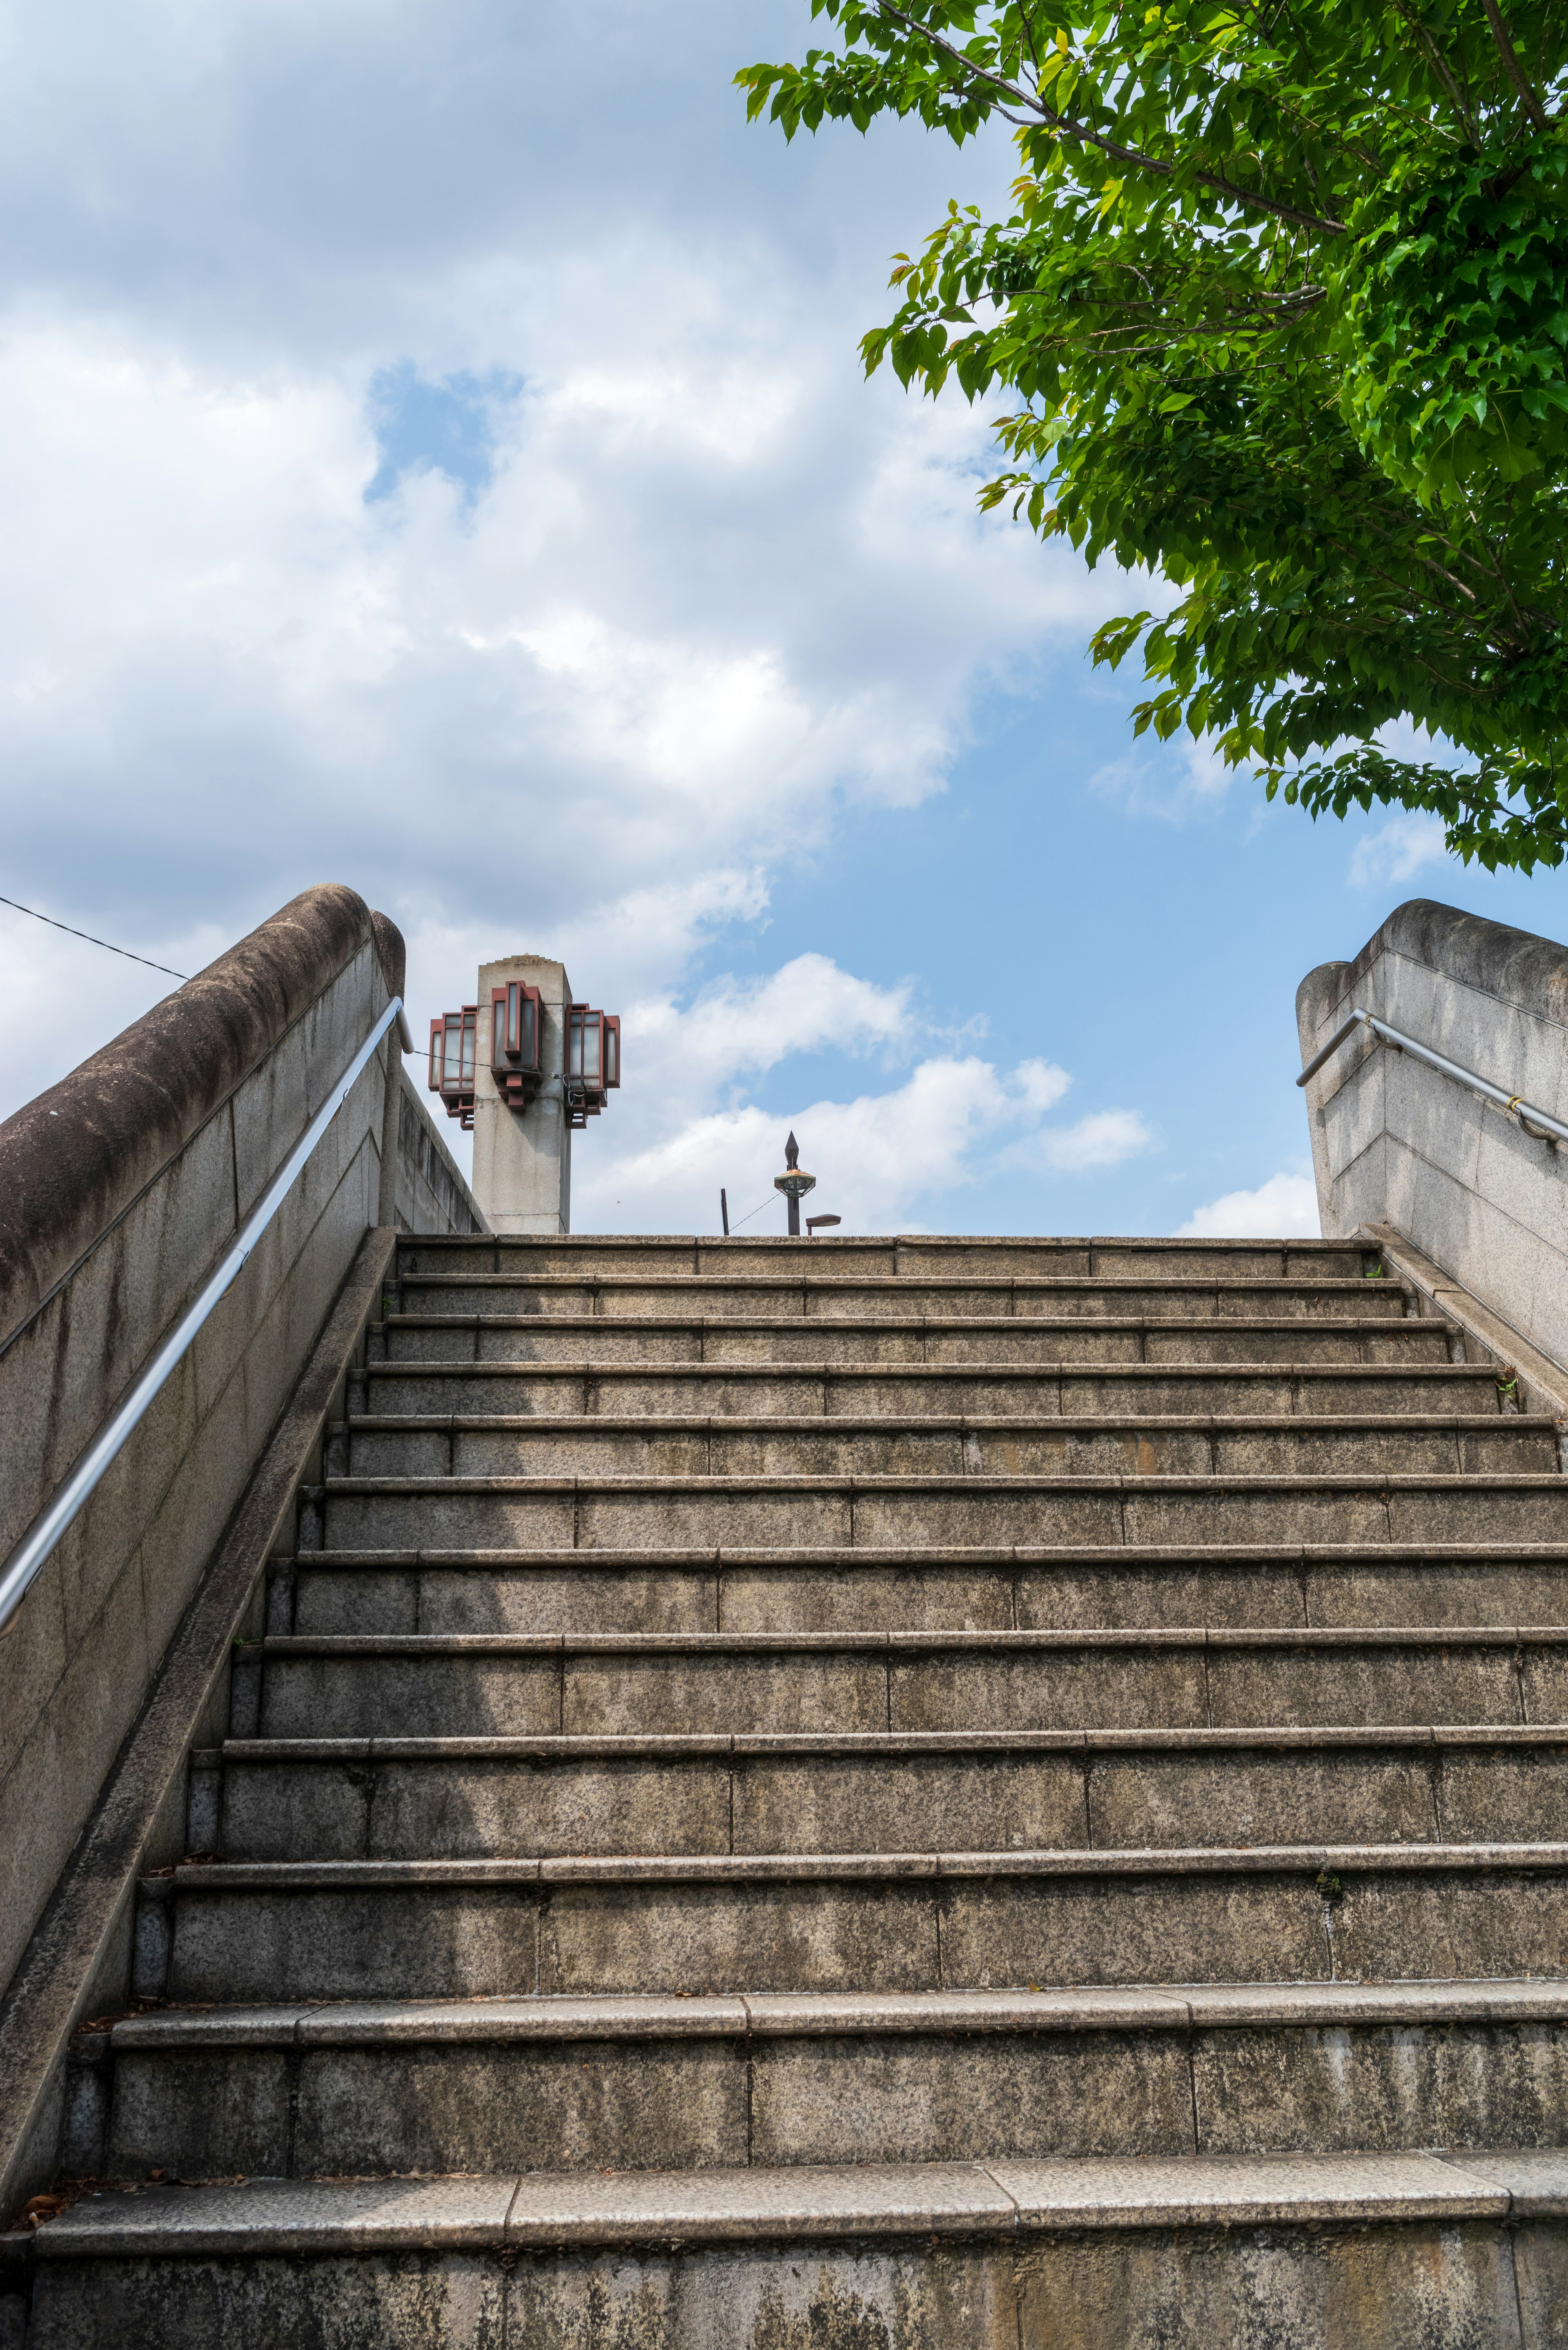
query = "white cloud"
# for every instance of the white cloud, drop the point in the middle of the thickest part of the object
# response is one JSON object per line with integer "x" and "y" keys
{"x": 1285, "y": 1207}
{"x": 876, "y": 1159}
{"x": 704, "y": 592}
{"x": 1102, "y": 1140}
{"x": 1178, "y": 784}
{"x": 1396, "y": 851}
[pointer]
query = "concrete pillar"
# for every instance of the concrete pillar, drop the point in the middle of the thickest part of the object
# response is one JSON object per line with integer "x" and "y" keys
{"x": 522, "y": 1158}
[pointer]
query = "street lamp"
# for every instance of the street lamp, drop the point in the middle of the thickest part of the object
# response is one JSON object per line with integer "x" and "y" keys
{"x": 453, "y": 1041}
{"x": 794, "y": 1184}
{"x": 516, "y": 1037}
{"x": 593, "y": 1061}
{"x": 516, "y": 1045}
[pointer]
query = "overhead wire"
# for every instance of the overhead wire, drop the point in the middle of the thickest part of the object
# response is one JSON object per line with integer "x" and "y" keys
{"x": 749, "y": 1214}
{"x": 17, "y": 908}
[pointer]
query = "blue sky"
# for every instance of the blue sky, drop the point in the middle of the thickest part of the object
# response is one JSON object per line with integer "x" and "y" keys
{"x": 435, "y": 458}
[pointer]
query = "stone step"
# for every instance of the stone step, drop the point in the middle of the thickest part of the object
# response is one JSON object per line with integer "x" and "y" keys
{"x": 1241, "y": 1445}
{"x": 633, "y": 1684}
{"x": 649, "y": 2083}
{"x": 1448, "y": 2253}
{"x": 892, "y": 1513}
{"x": 931, "y": 1339}
{"x": 979, "y": 1589}
{"x": 393, "y": 1798}
{"x": 237, "y": 1933}
{"x": 916, "y": 1252}
{"x": 978, "y": 1391}
{"x": 1149, "y": 1295}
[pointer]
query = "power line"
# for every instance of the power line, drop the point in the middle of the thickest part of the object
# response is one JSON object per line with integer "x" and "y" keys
{"x": 749, "y": 1214}
{"x": 102, "y": 943}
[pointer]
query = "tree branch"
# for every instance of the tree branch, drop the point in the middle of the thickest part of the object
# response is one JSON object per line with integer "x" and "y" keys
{"x": 1440, "y": 68}
{"x": 1137, "y": 156}
{"x": 1511, "y": 66}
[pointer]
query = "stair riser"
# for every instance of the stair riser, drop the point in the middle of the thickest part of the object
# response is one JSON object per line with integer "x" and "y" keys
{"x": 424, "y": 1941}
{"x": 505, "y": 1809}
{"x": 571, "y": 1595}
{"x": 1426, "y": 2285}
{"x": 695, "y": 2104}
{"x": 839, "y": 1259}
{"x": 1504, "y": 1447}
{"x": 666, "y": 1693}
{"x": 909, "y": 1300}
{"x": 941, "y": 1518}
{"x": 1387, "y": 1341}
{"x": 416, "y": 1394}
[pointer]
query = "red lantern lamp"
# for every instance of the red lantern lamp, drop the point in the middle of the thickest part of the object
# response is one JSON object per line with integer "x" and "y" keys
{"x": 452, "y": 1042}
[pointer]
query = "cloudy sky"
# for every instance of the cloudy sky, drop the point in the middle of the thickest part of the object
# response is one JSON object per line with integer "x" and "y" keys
{"x": 433, "y": 457}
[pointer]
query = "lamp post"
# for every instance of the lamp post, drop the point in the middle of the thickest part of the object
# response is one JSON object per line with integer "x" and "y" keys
{"x": 794, "y": 1184}
{"x": 524, "y": 1067}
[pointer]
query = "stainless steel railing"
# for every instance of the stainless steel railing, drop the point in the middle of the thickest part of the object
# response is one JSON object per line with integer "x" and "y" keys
{"x": 1534, "y": 1121}
{"x": 51, "y": 1522}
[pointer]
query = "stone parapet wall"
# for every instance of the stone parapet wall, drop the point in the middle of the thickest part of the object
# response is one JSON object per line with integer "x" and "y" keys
{"x": 120, "y": 1189}
{"x": 433, "y": 1196}
{"x": 1395, "y": 1143}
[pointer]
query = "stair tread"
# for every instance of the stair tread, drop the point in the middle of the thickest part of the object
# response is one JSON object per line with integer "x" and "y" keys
{"x": 831, "y": 1555}
{"x": 721, "y": 1644}
{"x": 225, "y": 1876}
{"x": 805, "y": 2203}
{"x": 675, "y": 1746}
{"x": 829, "y": 2014}
{"x": 597, "y": 1423}
{"x": 978, "y": 1481}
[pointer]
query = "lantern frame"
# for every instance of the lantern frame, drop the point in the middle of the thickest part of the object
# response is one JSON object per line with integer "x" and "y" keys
{"x": 516, "y": 1042}
{"x": 455, "y": 1085}
{"x": 592, "y": 1051}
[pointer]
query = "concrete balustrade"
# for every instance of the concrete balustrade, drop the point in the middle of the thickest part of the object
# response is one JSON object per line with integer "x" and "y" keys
{"x": 120, "y": 1189}
{"x": 1399, "y": 1149}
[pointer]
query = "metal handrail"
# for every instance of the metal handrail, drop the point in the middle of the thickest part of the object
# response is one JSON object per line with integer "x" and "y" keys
{"x": 1534, "y": 1121}
{"x": 46, "y": 1528}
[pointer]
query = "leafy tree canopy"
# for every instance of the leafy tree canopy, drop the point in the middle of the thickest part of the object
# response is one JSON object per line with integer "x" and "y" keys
{"x": 1283, "y": 303}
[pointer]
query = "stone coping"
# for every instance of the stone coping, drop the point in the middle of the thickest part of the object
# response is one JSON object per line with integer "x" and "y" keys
{"x": 1516, "y": 967}
{"x": 75, "y": 1160}
{"x": 261, "y": 2217}
{"x": 834, "y": 2014}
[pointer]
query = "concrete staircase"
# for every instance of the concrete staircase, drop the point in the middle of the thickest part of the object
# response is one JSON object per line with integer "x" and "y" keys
{"x": 869, "y": 1794}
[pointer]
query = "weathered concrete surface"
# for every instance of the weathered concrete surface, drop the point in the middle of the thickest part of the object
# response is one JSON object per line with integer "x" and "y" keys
{"x": 79, "y": 1959}
{"x": 432, "y": 1195}
{"x": 122, "y": 1188}
{"x": 1047, "y": 1885}
{"x": 1422, "y": 2287}
{"x": 1397, "y": 1144}
{"x": 522, "y": 1158}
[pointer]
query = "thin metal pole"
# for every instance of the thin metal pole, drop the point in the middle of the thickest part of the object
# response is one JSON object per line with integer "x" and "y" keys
{"x": 46, "y": 1529}
{"x": 724, "y": 1212}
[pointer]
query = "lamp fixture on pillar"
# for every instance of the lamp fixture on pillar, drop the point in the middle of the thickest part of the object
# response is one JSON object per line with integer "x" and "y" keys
{"x": 794, "y": 1184}
{"x": 516, "y": 1040}
{"x": 593, "y": 1062}
{"x": 452, "y": 1040}
{"x": 591, "y": 1055}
